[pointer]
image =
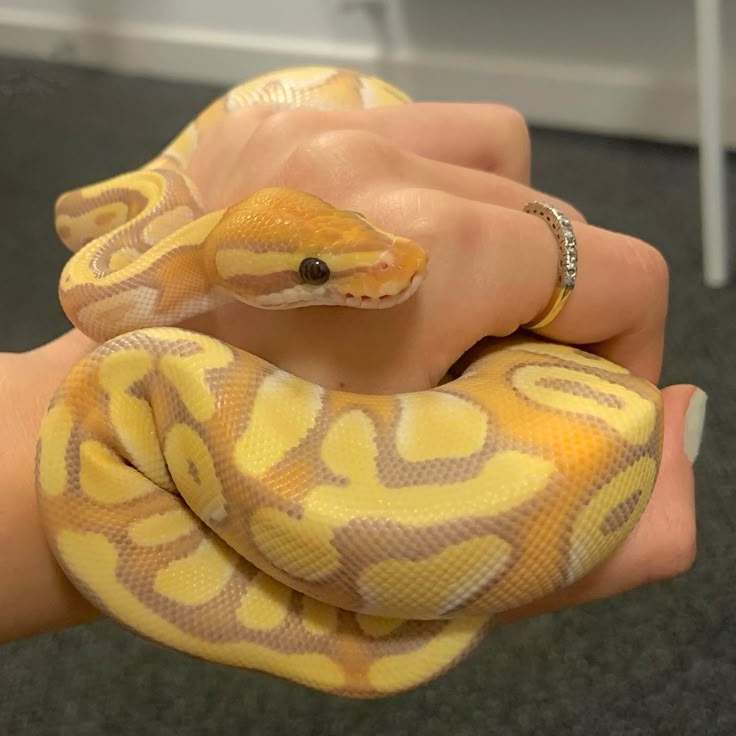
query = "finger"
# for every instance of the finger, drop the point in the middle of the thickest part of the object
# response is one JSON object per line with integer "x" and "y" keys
{"x": 471, "y": 183}
{"x": 617, "y": 308}
{"x": 619, "y": 305}
{"x": 663, "y": 543}
{"x": 435, "y": 145}
{"x": 491, "y": 270}
{"x": 488, "y": 137}
{"x": 343, "y": 162}
{"x": 482, "y": 138}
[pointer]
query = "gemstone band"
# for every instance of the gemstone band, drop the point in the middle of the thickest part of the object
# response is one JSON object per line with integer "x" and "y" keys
{"x": 567, "y": 267}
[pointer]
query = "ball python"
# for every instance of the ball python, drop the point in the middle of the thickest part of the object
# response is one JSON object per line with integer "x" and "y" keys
{"x": 356, "y": 544}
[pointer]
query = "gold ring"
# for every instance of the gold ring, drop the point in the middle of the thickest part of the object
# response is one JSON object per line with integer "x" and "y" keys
{"x": 567, "y": 267}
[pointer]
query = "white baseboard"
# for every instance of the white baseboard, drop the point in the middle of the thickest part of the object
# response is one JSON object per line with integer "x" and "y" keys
{"x": 620, "y": 101}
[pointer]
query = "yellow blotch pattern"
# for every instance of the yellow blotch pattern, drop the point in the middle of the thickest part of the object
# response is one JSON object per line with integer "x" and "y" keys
{"x": 285, "y": 409}
{"x": 301, "y": 548}
{"x": 570, "y": 354}
{"x": 433, "y": 586}
{"x": 92, "y": 559}
{"x": 119, "y": 308}
{"x": 419, "y": 437}
{"x": 77, "y": 270}
{"x": 56, "y": 429}
{"x": 590, "y": 540}
{"x": 120, "y": 370}
{"x": 401, "y": 671}
{"x": 634, "y": 420}
{"x": 188, "y": 374}
{"x": 132, "y": 417}
{"x": 91, "y": 224}
{"x": 318, "y": 618}
{"x": 185, "y": 450}
{"x": 105, "y": 217}
{"x": 161, "y": 528}
{"x": 507, "y": 480}
{"x": 377, "y": 626}
{"x": 166, "y": 223}
{"x": 149, "y": 184}
{"x": 264, "y": 605}
{"x": 122, "y": 258}
{"x": 199, "y": 577}
{"x": 104, "y": 476}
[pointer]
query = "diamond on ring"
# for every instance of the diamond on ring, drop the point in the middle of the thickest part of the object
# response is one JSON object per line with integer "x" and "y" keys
{"x": 567, "y": 269}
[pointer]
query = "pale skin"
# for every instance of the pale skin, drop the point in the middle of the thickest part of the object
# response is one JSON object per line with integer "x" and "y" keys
{"x": 454, "y": 178}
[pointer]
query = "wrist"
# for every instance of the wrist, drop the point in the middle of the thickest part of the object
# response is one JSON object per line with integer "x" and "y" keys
{"x": 36, "y": 596}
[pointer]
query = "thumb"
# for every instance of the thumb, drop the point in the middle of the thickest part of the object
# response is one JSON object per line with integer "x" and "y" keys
{"x": 664, "y": 540}
{"x": 694, "y": 401}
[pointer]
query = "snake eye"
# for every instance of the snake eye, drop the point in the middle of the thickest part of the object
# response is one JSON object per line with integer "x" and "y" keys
{"x": 314, "y": 271}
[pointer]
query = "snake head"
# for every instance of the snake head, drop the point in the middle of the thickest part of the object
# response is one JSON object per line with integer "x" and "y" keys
{"x": 281, "y": 249}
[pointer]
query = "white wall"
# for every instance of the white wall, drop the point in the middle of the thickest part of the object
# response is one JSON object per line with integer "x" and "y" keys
{"x": 623, "y": 67}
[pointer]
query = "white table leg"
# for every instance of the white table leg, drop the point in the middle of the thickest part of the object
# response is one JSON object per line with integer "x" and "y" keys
{"x": 708, "y": 20}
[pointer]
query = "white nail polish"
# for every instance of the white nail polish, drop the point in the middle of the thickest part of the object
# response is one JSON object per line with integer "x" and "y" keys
{"x": 694, "y": 423}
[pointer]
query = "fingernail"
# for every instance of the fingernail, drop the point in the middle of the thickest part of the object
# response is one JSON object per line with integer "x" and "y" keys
{"x": 694, "y": 423}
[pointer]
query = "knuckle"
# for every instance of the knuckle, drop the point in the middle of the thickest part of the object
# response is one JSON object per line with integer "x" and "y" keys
{"x": 653, "y": 266}
{"x": 658, "y": 268}
{"x": 335, "y": 160}
{"x": 429, "y": 216}
{"x": 515, "y": 125}
{"x": 420, "y": 211}
{"x": 514, "y": 151}
{"x": 334, "y": 143}
{"x": 282, "y": 127}
{"x": 455, "y": 233}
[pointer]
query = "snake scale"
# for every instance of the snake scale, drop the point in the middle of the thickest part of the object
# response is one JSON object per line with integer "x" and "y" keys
{"x": 356, "y": 544}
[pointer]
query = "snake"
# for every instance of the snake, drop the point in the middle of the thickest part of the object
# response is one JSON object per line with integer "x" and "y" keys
{"x": 356, "y": 544}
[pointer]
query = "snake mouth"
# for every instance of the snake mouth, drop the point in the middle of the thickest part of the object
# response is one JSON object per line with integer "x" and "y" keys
{"x": 386, "y": 300}
{"x": 327, "y": 295}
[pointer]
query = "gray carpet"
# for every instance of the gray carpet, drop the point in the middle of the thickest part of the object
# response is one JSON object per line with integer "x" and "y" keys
{"x": 660, "y": 660}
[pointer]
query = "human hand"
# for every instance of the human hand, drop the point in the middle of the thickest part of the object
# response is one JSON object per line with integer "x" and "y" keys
{"x": 454, "y": 178}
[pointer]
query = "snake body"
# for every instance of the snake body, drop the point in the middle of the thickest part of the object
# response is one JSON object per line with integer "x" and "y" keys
{"x": 356, "y": 544}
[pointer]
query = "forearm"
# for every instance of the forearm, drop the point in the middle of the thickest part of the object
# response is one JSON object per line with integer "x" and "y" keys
{"x": 35, "y": 594}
